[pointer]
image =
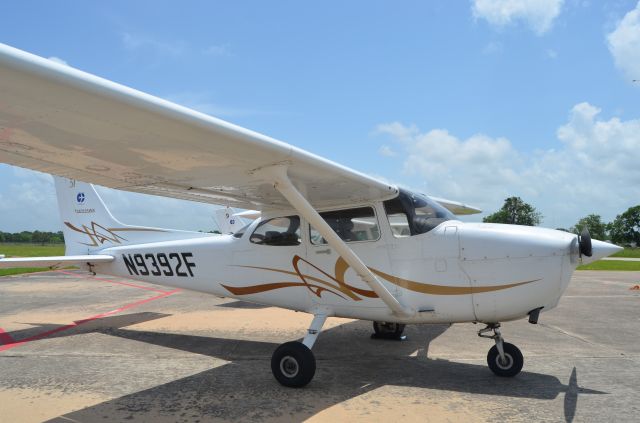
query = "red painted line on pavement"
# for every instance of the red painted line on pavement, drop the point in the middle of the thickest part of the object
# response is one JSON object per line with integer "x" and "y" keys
{"x": 5, "y": 338}
{"x": 88, "y": 319}
{"x": 111, "y": 281}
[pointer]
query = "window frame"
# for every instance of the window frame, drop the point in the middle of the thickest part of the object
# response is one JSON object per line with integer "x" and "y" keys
{"x": 360, "y": 206}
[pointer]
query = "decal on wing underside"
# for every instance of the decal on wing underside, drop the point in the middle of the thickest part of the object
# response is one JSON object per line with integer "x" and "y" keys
{"x": 98, "y": 234}
{"x": 342, "y": 289}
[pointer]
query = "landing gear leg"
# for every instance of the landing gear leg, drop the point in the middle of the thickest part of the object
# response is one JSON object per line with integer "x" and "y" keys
{"x": 504, "y": 359}
{"x": 292, "y": 363}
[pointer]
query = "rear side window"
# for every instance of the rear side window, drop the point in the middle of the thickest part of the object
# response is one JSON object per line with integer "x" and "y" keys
{"x": 279, "y": 231}
{"x": 351, "y": 225}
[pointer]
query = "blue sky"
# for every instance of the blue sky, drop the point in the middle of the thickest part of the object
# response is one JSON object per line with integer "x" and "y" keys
{"x": 468, "y": 100}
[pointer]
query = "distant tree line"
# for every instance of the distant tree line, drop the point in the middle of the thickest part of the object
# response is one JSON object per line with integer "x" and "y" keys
{"x": 624, "y": 230}
{"x": 36, "y": 237}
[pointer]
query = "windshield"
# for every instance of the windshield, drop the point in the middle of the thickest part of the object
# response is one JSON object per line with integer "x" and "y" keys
{"x": 413, "y": 214}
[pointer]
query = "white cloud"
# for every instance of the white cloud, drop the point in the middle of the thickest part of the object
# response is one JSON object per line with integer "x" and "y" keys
{"x": 202, "y": 103}
{"x": 387, "y": 151}
{"x": 624, "y": 44}
{"x": 141, "y": 42}
{"x": 58, "y": 60}
{"x": 149, "y": 210}
{"x": 169, "y": 48}
{"x": 493, "y": 47}
{"x": 217, "y": 50}
{"x": 28, "y": 202}
{"x": 593, "y": 168}
{"x": 538, "y": 14}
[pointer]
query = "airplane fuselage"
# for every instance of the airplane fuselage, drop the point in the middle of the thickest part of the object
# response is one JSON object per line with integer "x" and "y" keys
{"x": 458, "y": 272}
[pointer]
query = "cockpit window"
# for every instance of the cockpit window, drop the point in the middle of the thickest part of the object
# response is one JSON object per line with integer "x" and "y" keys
{"x": 413, "y": 214}
{"x": 280, "y": 231}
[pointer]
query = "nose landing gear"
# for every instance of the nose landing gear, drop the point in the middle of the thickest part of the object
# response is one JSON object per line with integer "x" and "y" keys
{"x": 293, "y": 363}
{"x": 504, "y": 359}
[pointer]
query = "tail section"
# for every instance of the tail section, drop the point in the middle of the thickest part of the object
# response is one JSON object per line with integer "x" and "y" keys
{"x": 228, "y": 222}
{"x": 88, "y": 225}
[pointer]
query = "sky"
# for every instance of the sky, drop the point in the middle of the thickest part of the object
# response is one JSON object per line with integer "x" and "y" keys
{"x": 473, "y": 101}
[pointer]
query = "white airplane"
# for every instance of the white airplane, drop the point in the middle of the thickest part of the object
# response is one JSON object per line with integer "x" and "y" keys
{"x": 329, "y": 242}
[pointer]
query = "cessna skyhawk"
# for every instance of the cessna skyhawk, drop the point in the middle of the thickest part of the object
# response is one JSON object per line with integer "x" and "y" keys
{"x": 329, "y": 241}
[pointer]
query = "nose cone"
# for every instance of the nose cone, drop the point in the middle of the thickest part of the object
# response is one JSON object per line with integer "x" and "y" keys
{"x": 600, "y": 249}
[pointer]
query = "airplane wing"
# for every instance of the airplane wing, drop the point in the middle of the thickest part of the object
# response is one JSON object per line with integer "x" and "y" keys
{"x": 59, "y": 120}
{"x": 54, "y": 261}
{"x": 456, "y": 207}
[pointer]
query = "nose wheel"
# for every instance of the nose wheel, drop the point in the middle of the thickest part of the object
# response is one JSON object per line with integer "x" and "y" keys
{"x": 293, "y": 363}
{"x": 504, "y": 359}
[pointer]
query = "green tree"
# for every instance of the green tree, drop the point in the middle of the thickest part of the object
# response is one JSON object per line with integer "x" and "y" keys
{"x": 24, "y": 236}
{"x": 515, "y": 212}
{"x": 597, "y": 228}
{"x": 41, "y": 237}
{"x": 625, "y": 229}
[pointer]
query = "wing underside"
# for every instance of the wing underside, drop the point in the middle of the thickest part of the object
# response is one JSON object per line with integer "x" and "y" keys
{"x": 59, "y": 120}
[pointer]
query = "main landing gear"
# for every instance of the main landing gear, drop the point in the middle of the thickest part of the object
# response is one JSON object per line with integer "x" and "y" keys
{"x": 504, "y": 359}
{"x": 292, "y": 363}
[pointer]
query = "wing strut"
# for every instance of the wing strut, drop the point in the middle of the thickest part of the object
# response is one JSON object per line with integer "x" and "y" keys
{"x": 278, "y": 174}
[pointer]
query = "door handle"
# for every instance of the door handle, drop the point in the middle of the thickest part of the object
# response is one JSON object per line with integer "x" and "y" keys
{"x": 325, "y": 251}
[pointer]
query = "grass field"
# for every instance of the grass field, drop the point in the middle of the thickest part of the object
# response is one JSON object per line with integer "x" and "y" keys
{"x": 629, "y": 266}
{"x": 28, "y": 250}
{"x": 628, "y": 252}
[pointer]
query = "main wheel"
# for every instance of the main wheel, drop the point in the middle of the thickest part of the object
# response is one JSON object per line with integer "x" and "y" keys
{"x": 513, "y": 358}
{"x": 293, "y": 364}
{"x": 388, "y": 330}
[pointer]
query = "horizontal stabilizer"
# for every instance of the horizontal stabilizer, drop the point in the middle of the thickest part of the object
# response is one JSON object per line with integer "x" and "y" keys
{"x": 53, "y": 262}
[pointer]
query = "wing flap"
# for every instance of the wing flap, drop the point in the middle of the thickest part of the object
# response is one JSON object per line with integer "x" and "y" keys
{"x": 53, "y": 262}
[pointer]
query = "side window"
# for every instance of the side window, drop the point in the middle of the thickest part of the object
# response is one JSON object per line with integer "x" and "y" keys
{"x": 351, "y": 225}
{"x": 399, "y": 225}
{"x": 279, "y": 231}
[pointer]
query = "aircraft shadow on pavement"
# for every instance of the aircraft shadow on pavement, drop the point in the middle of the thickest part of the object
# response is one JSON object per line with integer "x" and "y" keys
{"x": 243, "y": 304}
{"x": 349, "y": 364}
{"x": 38, "y": 329}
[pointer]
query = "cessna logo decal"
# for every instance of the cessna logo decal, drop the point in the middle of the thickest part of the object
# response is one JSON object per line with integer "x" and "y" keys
{"x": 98, "y": 234}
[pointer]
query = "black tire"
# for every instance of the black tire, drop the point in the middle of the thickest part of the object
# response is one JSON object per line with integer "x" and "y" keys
{"x": 388, "y": 330}
{"x": 293, "y": 364}
{"x": 514, "y": 357}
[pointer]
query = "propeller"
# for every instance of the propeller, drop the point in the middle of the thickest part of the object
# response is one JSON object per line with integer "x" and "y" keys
{"x": 584, "y": 241}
